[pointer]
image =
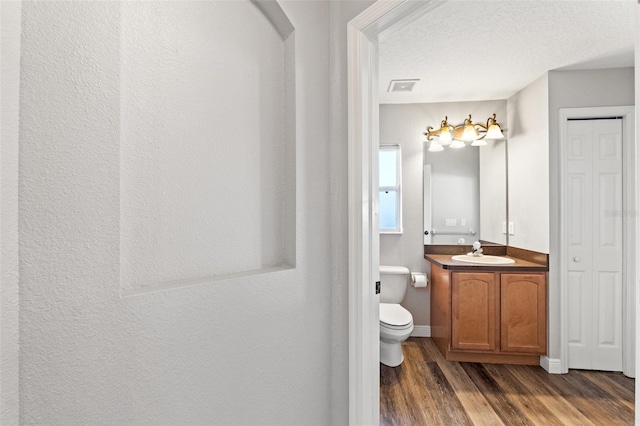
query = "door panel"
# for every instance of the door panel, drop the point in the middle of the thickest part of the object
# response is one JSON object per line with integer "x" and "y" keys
{"x": 610, "y": 189}
{"x": 474, "y": 311}
{"x": 523, "y": 310}
{"x": 576, "y": 309}
{"x": 577, "y": 192}
{"x": 608, "y": 300}
{"x": 608, "y": 353}
{"x": 594, "y": 248}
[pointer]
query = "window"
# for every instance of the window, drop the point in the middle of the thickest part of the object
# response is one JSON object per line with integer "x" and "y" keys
{"x": 390, "y": 171}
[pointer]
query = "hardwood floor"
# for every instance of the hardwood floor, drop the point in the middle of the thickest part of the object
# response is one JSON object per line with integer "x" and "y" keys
{"x": 427, "y": 390}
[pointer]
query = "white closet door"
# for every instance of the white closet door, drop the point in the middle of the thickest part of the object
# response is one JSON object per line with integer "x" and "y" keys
{"x": 594, "y": 244}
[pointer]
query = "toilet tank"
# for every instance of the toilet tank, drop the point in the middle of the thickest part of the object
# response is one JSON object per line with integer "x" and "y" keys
{"x": 393, "y": 283}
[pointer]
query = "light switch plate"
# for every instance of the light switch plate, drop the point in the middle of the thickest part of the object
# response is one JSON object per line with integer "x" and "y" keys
{"x": 451, "y": 222}
{"x": 512, "y": 228}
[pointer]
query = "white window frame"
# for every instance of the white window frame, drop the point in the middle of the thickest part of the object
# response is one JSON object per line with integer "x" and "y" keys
{"x": 397, "y": 188}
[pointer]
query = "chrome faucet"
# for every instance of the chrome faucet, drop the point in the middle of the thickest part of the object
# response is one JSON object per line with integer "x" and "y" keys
{"x": 476, "y": 249}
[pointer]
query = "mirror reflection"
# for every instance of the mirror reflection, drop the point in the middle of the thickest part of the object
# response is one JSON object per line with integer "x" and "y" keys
{"x": 464, "y": 191}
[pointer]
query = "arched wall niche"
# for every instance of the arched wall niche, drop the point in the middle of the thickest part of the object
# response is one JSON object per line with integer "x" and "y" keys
{"x": 207, "y": 143}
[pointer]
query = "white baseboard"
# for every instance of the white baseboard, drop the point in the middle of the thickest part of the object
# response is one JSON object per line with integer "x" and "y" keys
{"x": 421, "y": 331}
{"x": 551, "y": 365}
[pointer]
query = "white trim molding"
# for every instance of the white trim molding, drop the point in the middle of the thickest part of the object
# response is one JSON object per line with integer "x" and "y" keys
{"x": 364, "y": 339}
{"x": 421, "y": 331}
{"x": 551, "y": 365}
{"x": 363, "y": 33}
{"x": 10, "y": 42}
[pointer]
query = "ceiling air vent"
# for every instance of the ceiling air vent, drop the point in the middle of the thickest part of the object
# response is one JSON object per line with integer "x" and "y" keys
{"x": 402, "y": 85}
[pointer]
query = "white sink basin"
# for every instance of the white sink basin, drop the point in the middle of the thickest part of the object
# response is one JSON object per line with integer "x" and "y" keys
{"x": 483, "y": 260}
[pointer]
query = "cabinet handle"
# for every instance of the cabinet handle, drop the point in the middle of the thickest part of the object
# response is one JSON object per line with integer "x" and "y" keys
{"x": 576, "y": 259}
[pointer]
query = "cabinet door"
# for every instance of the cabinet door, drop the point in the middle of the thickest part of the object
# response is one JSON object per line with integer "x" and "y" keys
{"x": 523, "y": 313}
{"x": 474, "y": 309}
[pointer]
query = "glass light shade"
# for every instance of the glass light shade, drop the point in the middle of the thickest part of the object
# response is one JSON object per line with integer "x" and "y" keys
{"x": 457, "y": 144}
{"x": 469, "y": 133}
{"x": 479, "y": 142}
{"x": 445, "y": 136}
{"x": 494, "y": 132}
{"x": 435, "y": 147}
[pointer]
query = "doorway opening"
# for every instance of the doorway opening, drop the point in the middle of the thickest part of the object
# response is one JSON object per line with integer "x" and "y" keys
{"x": 363, "y": 33}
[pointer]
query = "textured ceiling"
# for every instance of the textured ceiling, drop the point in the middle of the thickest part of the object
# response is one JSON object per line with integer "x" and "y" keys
{"x": 478, "y": 50}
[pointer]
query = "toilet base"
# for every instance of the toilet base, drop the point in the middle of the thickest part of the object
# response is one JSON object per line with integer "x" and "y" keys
{"x": 391, "y": 353}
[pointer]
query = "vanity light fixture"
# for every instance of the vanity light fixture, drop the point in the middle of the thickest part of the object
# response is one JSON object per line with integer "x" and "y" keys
{"x": 456, "y": 136}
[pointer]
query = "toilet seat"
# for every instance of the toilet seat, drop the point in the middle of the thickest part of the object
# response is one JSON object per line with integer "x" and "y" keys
{"x": 394, "y": 316}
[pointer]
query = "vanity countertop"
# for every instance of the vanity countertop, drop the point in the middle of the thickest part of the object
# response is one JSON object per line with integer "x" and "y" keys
{"x": 445, "y": 262}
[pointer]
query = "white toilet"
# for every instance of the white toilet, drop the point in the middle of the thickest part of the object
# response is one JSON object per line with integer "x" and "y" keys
{"x": 396, "y": 323}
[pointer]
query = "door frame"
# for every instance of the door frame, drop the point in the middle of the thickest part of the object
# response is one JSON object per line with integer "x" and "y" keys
{"x": 10, "y": 42}
{"x": 363, "y": 33}
{"x": 629, "y": 213}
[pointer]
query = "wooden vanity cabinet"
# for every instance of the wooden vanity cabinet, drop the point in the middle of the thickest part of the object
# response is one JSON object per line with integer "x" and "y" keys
{"x": 496, "y": 317}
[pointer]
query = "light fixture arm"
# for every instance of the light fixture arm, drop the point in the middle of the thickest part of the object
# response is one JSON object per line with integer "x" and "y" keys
{"x": 491, "y": 120}
{"x": 468, "y": 120}
{"x": 435, "y": 133}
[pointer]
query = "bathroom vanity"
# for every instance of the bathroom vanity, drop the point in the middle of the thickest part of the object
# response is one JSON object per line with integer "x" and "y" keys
{"x": 490, "y": 313}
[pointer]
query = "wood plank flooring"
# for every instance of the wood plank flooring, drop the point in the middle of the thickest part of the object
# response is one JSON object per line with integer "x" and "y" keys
{"x": 427, "y": 390}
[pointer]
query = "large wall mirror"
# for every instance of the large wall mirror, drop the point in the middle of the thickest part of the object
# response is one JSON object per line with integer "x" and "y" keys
{"x": 465, "y": 189}
{"x": 465, "y": 195}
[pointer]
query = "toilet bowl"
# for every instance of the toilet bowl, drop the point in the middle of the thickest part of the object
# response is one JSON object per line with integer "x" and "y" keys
{"x": 396, "y": 323}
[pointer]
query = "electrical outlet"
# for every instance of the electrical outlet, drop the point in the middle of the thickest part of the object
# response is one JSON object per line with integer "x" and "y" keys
{"x": 463, "y": 222}
{"x": 451, "y": 222}
{"x": 504, "y": 228}
{"x": 512, "y": 228}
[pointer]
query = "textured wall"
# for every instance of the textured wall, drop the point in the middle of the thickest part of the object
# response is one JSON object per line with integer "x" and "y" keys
{"x": 242, "y": 351}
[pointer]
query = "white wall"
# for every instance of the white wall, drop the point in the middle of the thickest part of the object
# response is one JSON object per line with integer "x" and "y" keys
{"x": 9, "y": 91}
{"x": 405, "y": 124}
{"x": 528, "y": 161}
{"x": 241, "y": 351}
{"x": 574, "y": 89}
